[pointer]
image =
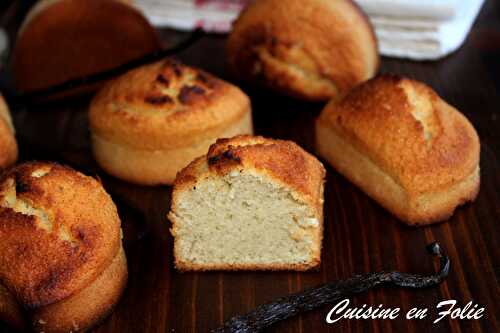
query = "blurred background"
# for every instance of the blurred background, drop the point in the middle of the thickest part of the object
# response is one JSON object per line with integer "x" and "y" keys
{"x": 413, "y": 29}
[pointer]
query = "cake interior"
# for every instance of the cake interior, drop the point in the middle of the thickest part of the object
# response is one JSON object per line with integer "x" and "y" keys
{"x": 244, "y": 220}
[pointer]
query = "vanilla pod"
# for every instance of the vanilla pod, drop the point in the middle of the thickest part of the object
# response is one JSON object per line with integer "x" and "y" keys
{"x": 270, "y": 313}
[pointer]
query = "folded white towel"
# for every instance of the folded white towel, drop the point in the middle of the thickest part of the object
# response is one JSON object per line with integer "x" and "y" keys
{"x": 428, "y": 9}
{"x": 422, "y": 37}
{"x": 415, "y": 29}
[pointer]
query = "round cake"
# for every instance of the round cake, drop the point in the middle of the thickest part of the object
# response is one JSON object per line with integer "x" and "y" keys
{"x": 312, "y": 50}
{"x": 62, "y": 265}
{"x": 151, "y": 122}
{"x": 61, "y": 40}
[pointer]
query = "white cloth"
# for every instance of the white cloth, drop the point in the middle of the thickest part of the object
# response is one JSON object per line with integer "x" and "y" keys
{"x": 428, "y": 9}
{"x": 415, "y": 29}
{"x": 211, "y": 15}
{"x": 421, "y": 33}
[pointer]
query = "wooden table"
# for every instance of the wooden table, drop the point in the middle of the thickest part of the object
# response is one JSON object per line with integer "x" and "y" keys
{"x": 360, "y": 236}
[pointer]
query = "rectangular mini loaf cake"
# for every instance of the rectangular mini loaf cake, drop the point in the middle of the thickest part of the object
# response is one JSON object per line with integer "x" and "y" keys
{"x": 250, "y": 203}
{"x": 404, "y": 146}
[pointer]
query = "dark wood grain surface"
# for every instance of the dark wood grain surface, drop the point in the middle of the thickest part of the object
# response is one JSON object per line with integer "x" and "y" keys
{"x": 360, "y": 236}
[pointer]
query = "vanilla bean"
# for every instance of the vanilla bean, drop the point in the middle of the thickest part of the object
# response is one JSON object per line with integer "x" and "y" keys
{"x": 268, "y": 314}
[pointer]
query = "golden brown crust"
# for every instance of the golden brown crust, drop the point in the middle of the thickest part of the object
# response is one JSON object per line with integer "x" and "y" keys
{"x": 41, "y": 5}
{"x": 332, "y": 50}
{"x": 159, "y": 117}
{"x": 283, "y": 161}
{"x": 379, "y": 118}
{"x": 156, "y": 167}
{"x": 88, "y": 307}
{"x": 189, "y": 266}
{"x": 58, "y": 230}
{"x": 165, "y": 105}
{"x": 77, "y": 312}
{"x": 406, "y": 130}
{"x": 64, "y": 39}
{"x": 8, "y": 144}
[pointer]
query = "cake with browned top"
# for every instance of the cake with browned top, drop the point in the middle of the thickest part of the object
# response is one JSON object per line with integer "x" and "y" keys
{"x": 404, "y": 146}
{"x": 60, "y": 40}
{"x": 62, "y": 265}
{"x": 250, "y": 203}
{"x": 313, "y": 50}
{"x": 151, "y": 122}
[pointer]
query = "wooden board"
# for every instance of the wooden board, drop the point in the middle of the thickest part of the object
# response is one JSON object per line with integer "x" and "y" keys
{"x": 360, "y": 236}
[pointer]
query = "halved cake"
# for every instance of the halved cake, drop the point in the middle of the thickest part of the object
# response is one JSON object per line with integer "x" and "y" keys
{"x": 250, "y": 203}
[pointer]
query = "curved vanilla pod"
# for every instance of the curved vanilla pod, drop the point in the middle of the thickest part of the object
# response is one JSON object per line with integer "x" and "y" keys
{"x": 270, "y": 313}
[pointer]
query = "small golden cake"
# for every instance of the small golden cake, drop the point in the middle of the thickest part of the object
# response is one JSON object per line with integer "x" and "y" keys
{"x": 151, "y": 122}
{"x": 61, "y": 40}
{"x": 312, "y": 50}
{"x": 8, "y": 144}
{"x": 62, "y": 264}
{"x": 404, "y": 146}
{"x": 250, "y": 203}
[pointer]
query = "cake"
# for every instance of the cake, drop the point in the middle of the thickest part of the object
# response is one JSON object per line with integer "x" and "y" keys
{"x": 404, "y": 146}
{"x": 250, "y": 203}
{"x": 151, "y": 122}
{"x": 60, "y": 40}
{"x": 312, "y": 50}
{"x": 8, "y": 144}
{"x": 62, "y": 264}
